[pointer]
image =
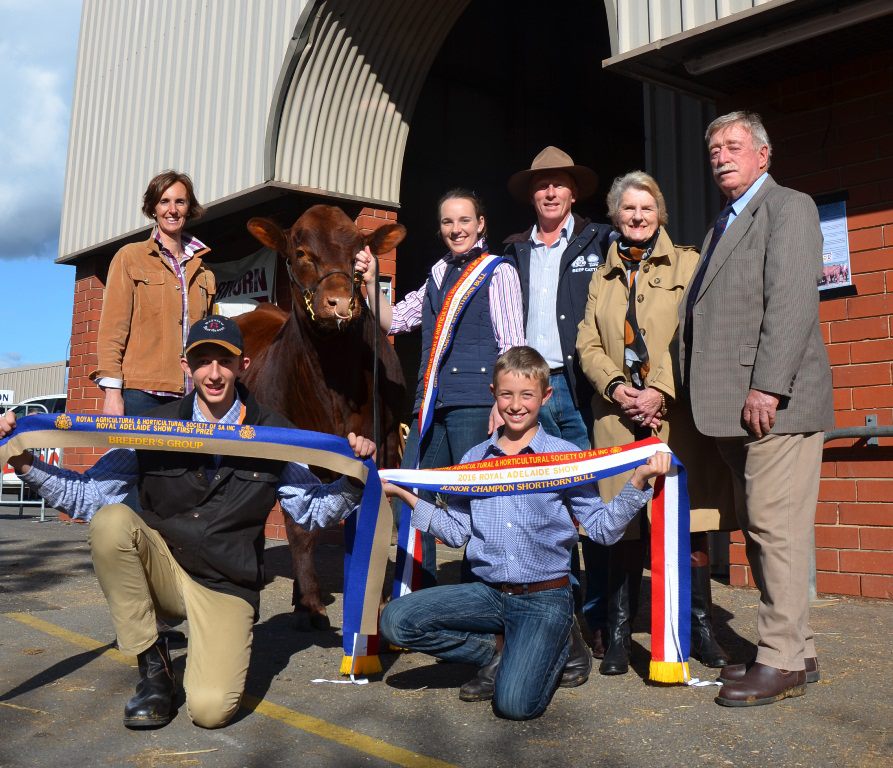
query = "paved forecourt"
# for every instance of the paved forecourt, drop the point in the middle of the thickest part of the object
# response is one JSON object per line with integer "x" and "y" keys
{"x": 63, "y": 687}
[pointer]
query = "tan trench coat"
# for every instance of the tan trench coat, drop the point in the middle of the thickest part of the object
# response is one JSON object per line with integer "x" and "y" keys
{"x": 660, "y": 286}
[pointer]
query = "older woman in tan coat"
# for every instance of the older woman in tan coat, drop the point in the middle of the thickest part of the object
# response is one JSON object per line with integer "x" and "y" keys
{"x": 625, "y": 345}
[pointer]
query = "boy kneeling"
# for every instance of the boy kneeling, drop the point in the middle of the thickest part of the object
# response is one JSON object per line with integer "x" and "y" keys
{"x": 197, "y": 551}
{"x": 519, "y": 547}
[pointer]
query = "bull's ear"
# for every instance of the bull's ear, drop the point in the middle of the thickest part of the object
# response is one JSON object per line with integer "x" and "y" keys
{"x": 385, "y": 238}
{"x": 269, "y": 234}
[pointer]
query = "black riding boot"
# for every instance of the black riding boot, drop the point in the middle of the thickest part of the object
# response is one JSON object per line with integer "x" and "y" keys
{"x": 620, "y": 620}
{"x": 579, "y": 660}
{"x": 482, "y": 686}
{"x": 703, "y": 643}
{"x": 624, "y": 582}
{"x": 151, "y": 705}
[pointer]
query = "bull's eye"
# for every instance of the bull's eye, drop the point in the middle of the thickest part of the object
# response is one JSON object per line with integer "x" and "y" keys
{"x": 299, "y": 254}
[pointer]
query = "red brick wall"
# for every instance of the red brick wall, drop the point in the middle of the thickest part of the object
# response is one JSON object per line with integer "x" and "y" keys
{"x": 83, "y": 395}
{"x": 832, "y": 130}
{"x": 368, "y": 221}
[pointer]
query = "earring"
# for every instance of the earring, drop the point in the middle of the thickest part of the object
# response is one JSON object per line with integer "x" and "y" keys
{"x": 153, "y": 216}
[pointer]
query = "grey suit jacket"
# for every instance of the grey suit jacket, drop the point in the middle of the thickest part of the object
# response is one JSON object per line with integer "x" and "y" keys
{"x": 755, "y": 321}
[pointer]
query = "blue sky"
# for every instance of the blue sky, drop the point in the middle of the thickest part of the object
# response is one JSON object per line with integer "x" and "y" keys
{"x": 38, "y": 52}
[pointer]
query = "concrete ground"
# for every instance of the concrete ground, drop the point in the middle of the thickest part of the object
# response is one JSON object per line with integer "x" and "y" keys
{"x": 63, "y": 688}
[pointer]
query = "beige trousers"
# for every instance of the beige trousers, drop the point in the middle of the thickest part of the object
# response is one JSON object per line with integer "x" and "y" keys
{"x": 140, "y": 578}
{"x": 776, "y": 481}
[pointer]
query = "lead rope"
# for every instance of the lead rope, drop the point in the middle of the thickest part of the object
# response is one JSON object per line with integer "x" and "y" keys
{"x": 376, "y": 430}
{"x": 376, "y": 437}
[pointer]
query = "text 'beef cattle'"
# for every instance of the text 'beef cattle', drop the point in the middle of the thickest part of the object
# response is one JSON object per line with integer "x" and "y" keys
{"x": 314, "y": 364}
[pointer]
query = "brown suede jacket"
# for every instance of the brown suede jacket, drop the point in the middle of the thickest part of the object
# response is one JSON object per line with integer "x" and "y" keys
{"x": 141, "y": 327}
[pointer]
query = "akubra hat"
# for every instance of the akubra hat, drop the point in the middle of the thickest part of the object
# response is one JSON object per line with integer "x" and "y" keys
{"x": 553, "y": 159}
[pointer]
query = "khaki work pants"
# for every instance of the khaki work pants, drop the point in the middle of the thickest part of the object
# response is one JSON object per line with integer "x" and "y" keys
{"x": 140, "y": 578}
{"x": 776, "y": 480}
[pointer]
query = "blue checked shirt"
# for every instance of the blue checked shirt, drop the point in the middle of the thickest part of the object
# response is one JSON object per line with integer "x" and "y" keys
{"x": 527, "y": 538}
{"x": 310, "y": 503}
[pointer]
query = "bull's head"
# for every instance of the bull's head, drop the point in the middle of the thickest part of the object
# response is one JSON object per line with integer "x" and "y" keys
{"x": 319, "y": 252}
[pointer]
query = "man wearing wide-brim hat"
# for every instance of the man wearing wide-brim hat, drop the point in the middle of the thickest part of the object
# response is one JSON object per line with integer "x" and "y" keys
{"x": 556, "y": 258}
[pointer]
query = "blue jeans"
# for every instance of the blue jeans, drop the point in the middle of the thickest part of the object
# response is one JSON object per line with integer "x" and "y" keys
{"x": 137, "y": 402}
{"x": 458, "y": 622}
{"x": 453, "y": 432}
{"x": 561, "y": 419}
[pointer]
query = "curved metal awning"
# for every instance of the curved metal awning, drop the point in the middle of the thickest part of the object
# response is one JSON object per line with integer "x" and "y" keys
{"x": 351, "y": 78}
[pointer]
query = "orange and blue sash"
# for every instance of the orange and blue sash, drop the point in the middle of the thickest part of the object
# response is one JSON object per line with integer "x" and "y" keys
{"x": 408, "y": 573}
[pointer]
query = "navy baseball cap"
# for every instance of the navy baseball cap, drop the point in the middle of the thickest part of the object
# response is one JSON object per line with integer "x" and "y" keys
{"x": 216, "y": 329}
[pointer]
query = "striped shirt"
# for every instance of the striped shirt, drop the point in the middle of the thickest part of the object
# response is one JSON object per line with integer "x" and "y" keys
{"x": 190, "y": 246}
{"x": 506, "y": 305}
{"x": 310, "y": 503}
{"x": 525, "y": 538}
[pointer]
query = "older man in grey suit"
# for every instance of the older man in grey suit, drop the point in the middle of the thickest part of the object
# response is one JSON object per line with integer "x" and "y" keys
{"x": 757, "y": 376}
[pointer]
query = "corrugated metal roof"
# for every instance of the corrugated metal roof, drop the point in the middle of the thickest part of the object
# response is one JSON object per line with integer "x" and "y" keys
{"x": 28, "y": 381}
{"x": 345, "y": 117}
{"x": 641, "y": 22}
{"x": 313, "y": 96}
{"x": 158, "y": 85}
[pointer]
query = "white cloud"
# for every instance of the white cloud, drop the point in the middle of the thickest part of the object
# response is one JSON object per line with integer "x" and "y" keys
{"x": 38, "y": 49}
{"x": 11, "y": 360}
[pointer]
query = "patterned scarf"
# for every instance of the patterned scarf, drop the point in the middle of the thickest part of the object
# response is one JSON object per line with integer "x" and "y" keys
{"x": 636, "y": 354}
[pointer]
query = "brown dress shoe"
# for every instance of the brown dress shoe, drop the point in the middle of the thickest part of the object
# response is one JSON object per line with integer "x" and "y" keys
{"x": 735, "y": 672}
{"x": 762, "y": 684}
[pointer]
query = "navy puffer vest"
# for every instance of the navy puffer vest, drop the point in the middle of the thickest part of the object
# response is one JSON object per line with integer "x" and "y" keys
{"x": 467, "y": 368}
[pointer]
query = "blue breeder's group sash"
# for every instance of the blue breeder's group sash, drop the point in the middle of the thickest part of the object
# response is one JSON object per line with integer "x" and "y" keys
{"x": 670, "y": 544}
{"x": 367, "y": 531}
{"x": 409, "y": 541}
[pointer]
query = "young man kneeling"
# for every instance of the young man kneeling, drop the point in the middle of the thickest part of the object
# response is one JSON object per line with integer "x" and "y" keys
{"x": 515, "y": 622}
{"x": 197, "y": 551}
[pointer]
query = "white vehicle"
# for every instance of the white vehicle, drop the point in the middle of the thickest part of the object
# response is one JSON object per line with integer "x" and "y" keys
{"x": 42, "y": 404}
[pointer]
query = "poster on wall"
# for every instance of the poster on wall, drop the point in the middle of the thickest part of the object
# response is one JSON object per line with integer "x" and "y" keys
{"x": 243, "y": 284}
{"x": 836, "y": 251}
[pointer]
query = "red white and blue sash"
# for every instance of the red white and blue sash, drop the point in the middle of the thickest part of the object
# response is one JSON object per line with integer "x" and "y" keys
{"x": 408, "y": 573}
{"x": 670, "y": 544}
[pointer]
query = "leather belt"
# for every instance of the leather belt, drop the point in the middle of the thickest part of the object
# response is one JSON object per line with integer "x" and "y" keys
{"x": 556, "y": 371}
{"x": 535, "y": 586}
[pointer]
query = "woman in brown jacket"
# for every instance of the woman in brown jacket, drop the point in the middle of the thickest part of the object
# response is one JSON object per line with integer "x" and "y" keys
{"x": 155, "y": 291}
{"x": 624, "y": 343}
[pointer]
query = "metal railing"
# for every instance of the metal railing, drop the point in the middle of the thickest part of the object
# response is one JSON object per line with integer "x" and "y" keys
{"x": 870, "y": 432}
{"x": 11, "y": 480}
